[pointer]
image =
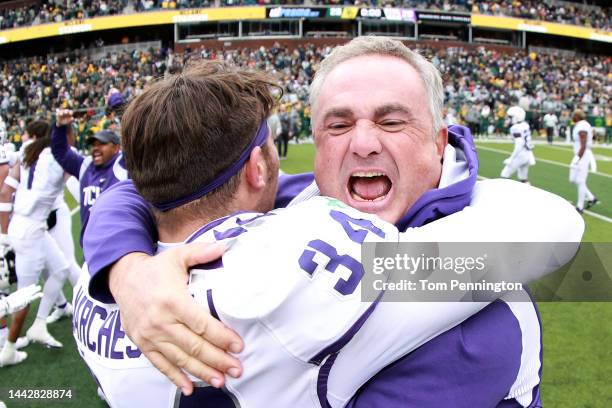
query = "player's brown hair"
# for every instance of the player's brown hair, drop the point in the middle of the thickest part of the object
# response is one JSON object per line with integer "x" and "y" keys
{"x": 39, "y": 129}
{"x": 185, "y": 129}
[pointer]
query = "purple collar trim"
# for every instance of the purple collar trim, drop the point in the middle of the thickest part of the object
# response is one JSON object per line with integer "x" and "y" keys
{"x": 440, "y": 202}
{"x": 259, "y": 140}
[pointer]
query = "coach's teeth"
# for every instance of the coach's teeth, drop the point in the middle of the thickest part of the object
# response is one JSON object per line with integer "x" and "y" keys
{"x": 367, "y": 174}
{"x": 357, "y": 197}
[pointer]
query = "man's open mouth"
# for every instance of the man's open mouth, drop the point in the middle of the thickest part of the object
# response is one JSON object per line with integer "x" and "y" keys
{"x": 369, "y": 186}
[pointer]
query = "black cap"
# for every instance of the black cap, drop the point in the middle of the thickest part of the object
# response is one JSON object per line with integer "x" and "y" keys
{"x": 104, "y": 136}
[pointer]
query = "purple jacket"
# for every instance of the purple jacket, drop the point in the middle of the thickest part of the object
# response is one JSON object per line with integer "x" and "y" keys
{"x": 94, "y": 180}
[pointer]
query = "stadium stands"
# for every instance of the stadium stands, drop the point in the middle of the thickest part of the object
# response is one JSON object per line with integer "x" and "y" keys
{"x": 480, "y": 83}
{"x": 24, "y": 13}
{"x": 14, "y": 14}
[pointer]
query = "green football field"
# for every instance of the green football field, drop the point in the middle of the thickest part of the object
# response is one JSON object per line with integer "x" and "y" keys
{"x": 577, "y": 369}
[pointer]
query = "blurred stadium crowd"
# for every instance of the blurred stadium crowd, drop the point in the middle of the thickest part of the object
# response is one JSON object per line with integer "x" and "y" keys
{"x": 480, "y": 84}
{"x": 48, "y": 11}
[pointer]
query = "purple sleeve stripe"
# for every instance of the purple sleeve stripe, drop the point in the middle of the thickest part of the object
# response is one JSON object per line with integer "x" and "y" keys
{"x": 322, "y": 381}
{"x": 536, "y": 401}
{"x": 211, "y": 305}
{"x": 31, "y": 175}
{"x": 347, "y": 336}
{"x": 289, "y": 186}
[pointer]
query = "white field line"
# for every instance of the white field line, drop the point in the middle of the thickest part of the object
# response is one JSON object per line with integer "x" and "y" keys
{"x": 600, "y": 157}
{"x": 538, "y": 159}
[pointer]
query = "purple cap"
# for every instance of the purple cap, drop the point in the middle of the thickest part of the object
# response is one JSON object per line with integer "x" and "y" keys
{"x": 114, "y": 100}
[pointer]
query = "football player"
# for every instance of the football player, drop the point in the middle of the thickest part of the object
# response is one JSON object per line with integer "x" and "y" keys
{"x": 522, "y": 156}
{"x": 36, "y": 182}
{"x": 582, "y": 161}
{"x": 59, "y": 224}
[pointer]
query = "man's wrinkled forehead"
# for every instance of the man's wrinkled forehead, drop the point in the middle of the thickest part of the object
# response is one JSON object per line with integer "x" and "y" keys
{"x": 365, "y": 75}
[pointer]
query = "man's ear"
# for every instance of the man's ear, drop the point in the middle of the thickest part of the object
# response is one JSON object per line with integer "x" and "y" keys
{"x": 255, "y": 170}
{"x": 441, "y": 141}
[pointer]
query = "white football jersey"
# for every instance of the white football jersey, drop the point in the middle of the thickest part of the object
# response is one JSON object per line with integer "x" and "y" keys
{"x": 39, "y": 187}
{"x": 522, "y": 135}
{"x": 290, "y": 287}
{"x": 582, "y": 126}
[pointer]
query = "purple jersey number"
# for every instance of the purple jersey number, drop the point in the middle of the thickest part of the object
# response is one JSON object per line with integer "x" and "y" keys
{"x": 358, "y": 235}
{"x": 363, "y": 226}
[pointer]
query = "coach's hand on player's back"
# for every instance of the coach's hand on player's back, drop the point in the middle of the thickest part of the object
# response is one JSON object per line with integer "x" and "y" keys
{"x": 164, "y": 321}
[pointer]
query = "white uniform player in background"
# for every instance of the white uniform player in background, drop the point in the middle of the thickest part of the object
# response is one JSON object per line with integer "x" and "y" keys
{"x": 582, "y": 134}
{"x": 36, "y": 183}
{"x": 522, "y": 156}
{"x": 296, "y": 302}
{"x": 60, "y": 228}
{"x": 4, "y": 249}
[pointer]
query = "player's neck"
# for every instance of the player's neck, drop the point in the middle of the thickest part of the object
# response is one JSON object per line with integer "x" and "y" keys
{"x": 180, "y": 231}
{"x": 177, "y": 226}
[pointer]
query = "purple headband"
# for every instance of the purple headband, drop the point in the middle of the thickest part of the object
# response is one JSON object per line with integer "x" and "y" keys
{"x": 259, "y": 140}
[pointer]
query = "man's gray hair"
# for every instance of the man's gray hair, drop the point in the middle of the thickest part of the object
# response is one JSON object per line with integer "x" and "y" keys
{"x": 370, "y": 45}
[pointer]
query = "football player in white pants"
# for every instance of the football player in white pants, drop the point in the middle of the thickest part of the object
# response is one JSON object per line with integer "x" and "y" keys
{"x": 583, "y": 159}
{"x": 4, "y": 270}
{"x": 36, "y": 182}
{"x": 522, "y": 156}
{"x": 61, "y": 231}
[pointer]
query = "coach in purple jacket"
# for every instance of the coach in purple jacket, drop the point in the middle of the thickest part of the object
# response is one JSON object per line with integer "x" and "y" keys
{"x": 97, "y": 172}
